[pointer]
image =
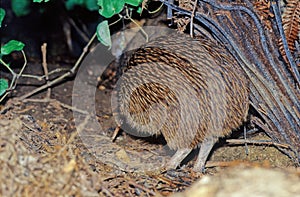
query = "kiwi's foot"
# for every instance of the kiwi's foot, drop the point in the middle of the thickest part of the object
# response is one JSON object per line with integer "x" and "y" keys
{"x": 177, "y": 158}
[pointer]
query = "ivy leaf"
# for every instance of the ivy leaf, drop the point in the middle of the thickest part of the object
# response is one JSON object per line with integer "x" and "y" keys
{"x": 3, "y": 86}
{"x": 103, "y": 33}
{"x": 2, "y": 14}
{"x": 108, "y": 8}
{"x": 134, "y": 2}
{"x": 11, "y": 46}
{"x": 39, "y": 1}
{"x": 20, "y": 7}
{"x": 91, "y": 5}
{"x": 139, "y": 10}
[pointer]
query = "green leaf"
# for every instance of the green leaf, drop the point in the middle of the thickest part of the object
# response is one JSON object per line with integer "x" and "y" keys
{"x": 20, "y": 7}
{"x": 2, "y": 14}
{"x": 134, "y": 2}
{"x": 91, "y": 5}
{"x": 39, "y": 1}
{"x": 71, "y": 3}
{"x": 11, "y": 46}
{"x": 108, "y": 8}
{"x": 3, "y": 86}
{"x": 103, "y": 33}
{"x": 139, "y": 10}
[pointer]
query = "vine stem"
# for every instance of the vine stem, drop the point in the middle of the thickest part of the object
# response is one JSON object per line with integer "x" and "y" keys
{"x": 15, "y": 78}
{"x": 7, "y": 66}
{"x": 22, "y": 70}
{"x": 142, "y": 30}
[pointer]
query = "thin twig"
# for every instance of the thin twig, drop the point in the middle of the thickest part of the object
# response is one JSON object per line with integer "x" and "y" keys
{"x": 29, "y": 127}
{"x": 1, "y": 99}
{"x": 212, "y": 164}
{"x": 81, "y": 33}
{"x": 116, "y": 132}
{"x": 45, "y": 67}
{"x": 192, "y": 19}
{"x": 85, "y": 50}
{"x": 51, "y": 83}
{"x": 257, "y": 142}
{"x": 245, "y": 138}
{"x": 57, "y": 70}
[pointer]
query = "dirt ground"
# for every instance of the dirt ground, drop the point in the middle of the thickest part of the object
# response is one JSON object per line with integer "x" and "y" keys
{"x": 43, "y": 151}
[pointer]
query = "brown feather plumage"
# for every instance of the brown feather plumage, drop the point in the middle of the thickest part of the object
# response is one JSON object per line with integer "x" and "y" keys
{"x": 191, "y": 91}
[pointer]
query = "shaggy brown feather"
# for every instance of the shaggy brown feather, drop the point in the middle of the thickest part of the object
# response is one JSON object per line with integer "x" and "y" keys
{"x": 192, "y": 91}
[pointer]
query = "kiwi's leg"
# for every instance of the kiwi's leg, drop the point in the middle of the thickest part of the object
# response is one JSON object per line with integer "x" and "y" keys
{"x": 205, "y": 149}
